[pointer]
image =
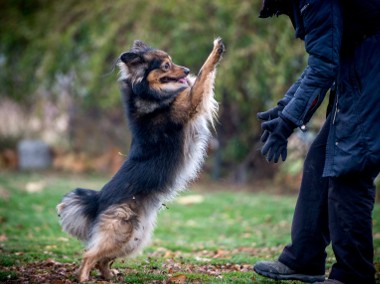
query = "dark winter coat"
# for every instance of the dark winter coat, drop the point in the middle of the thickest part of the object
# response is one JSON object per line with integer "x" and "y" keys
{"x": 342, "y": 39}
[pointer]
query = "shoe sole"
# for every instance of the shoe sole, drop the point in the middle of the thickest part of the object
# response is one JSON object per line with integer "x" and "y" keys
{"x": 299, "y": 277}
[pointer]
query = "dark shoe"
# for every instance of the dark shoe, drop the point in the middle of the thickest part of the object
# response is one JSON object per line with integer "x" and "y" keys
{"x": 279, "y": 271}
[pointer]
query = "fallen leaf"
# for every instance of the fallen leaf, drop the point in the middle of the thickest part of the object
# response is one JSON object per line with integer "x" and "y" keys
{"x": 51, "y": 261}
{"x": 181, "y": 278}
{"x": 203, "y": 259}
{"x": 33, "y": 187}
{"x": 190, "y": 199}
{"x": 220, "y": 253}
{"x": 62, "y": 239}
{"x": 50, "y": 247}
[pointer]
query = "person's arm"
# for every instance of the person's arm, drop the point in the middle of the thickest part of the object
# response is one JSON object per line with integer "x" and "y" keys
{"x": 292, "y": 90}
{"x": 274, "y": 111}
{"x": 322, "y": 20}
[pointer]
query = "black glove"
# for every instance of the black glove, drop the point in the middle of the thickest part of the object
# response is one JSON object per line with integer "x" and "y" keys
{"x": 267, "y": 116}
{"x": 271, "y": 114}
{"x": 276, "y": 143}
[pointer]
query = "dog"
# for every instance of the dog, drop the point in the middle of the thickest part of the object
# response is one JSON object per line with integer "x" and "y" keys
{"x": 171, "y": 115}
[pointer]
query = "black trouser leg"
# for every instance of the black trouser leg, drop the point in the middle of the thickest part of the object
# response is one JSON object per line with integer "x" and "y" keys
{"x": 340, "y": 207}
{"x": 351, "y": 202}
{"x": 310, "y": 231}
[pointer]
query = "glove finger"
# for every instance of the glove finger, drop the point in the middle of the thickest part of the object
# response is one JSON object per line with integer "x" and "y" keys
{"x": 271, "y": 153}
{"x": 265, "y": 148}
{"x": 263, "y": 115}
{"x": 264, "y": 137}
{"x": 269, "y": 125}
{"x": 284, "y": 154}
{"x": 269, "y": 114}
{"x": 277, "y": 155}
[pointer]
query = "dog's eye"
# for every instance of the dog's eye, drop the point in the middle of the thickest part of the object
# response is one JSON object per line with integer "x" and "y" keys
{"x": 166, "y": 66}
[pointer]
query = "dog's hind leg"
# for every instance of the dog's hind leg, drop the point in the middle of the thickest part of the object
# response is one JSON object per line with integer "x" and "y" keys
{"x": 88, "y": 263}
{"x": 100, "y": 257}
{"x": 104, "y": 266}
{"x": 91, "y": 260}
{"x": 113, "y": 229}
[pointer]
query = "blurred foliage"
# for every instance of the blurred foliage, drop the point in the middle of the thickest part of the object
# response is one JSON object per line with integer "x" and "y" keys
{"x": 43, "y": 40}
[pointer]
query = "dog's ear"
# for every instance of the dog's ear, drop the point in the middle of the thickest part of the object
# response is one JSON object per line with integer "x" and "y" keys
{"x": 131, "y": 58}
{"x": 140, "y": 46}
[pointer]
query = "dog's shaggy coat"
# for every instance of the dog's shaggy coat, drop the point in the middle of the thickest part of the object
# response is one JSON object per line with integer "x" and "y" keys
{"x": 170, "y": 115}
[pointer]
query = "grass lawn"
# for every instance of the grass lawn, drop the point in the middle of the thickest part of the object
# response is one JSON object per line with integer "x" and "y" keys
{"x": 202, "y": 237}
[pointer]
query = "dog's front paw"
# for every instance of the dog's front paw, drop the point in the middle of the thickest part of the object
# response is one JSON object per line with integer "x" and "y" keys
{"x": 219, "y": 46}
{"x": 214, "y": 57}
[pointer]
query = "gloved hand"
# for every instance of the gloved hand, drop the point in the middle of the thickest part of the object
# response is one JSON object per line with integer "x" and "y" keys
{"x": 271, "y": 114}
{"x": 267, "y": 116}
{"x": 279, "y": 130}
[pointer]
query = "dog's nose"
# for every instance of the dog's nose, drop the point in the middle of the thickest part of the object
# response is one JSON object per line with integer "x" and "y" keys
{"x": 186, "y": 71}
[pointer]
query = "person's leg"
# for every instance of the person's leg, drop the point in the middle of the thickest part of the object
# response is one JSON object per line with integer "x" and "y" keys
{"x": 351, "y": 201}
{"x": 310, "y": 232}
{"x": 304, "y": 258}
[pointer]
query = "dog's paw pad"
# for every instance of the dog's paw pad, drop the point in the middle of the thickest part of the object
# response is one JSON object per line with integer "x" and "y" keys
{"x": 221, "y": 49}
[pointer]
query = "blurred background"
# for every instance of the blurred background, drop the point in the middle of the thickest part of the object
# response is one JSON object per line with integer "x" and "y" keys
{"x": 60, "y": 107}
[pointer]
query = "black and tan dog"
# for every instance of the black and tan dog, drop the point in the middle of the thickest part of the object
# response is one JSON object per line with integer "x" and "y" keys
{"x": 170, "y": 115}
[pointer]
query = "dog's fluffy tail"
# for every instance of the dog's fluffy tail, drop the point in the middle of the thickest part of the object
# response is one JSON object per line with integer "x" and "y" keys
{"x": 77, "y": 212}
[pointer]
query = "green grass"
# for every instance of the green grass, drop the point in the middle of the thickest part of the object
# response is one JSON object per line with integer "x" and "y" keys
{"x": 213, "y": 241}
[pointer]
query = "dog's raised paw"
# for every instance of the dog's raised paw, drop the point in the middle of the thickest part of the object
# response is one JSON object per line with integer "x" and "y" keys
{"x": 219, "y": 45}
